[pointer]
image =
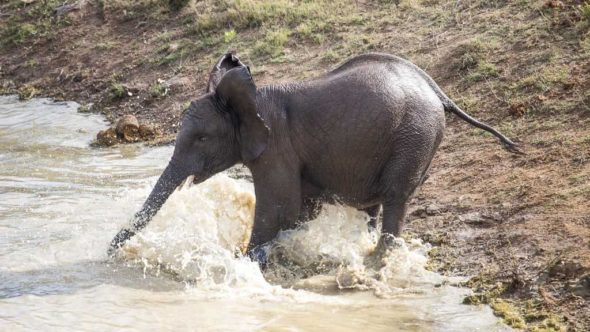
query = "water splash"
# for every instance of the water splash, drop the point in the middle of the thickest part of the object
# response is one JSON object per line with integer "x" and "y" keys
{"x": 200, "y": 233}
{"x": 197, "y": 234}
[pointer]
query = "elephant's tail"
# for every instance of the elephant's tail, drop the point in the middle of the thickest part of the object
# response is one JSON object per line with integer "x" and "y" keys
{"x": 450, "y": 106}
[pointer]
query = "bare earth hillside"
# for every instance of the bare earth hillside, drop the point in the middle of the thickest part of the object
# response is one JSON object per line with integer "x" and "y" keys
{"x": 520, "y": 225}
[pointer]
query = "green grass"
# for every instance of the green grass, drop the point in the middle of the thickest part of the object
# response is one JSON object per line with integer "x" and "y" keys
{"x": 273, "y": 43}
{"x": 509, "y": 313}
{"x": 27, "y": 92}
{"x": 263, "y": 29}
{"x": 584, "y": 10}
{"x": 468, "y": 55}
{"x": 36, "y": 21}
{"x": 170, "y": 53}
{"x": 244, "y": 14}
{"x": 106, "y": 46}
{"x": 484, "y": 70}
{"x": 158, "y": 90}
{"x": 229, "y": 36}
{"x": 16, "y": 34}
{"x": 118, "y": 90}
{"x": 311, "y": 31}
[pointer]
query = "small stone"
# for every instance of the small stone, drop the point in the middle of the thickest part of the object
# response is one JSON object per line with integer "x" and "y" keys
{"x": 419, "y": 212}
{"x": 127, "y": 128}
{"x": 27, "y": 92}
{"x": 147, "y": 132}
{"x": 433, "y": 210}
{"x": 177, "y": 82}
{"x": 582, "y": 286}
{"x": 64, "y": 9}
{"x": 85, "y": 108}
{"x": 107, "y": 137}
{"x": 472, "y": 217}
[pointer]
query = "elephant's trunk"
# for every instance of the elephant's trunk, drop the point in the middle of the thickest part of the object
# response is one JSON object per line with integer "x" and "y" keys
{"x": 170, "y": 179}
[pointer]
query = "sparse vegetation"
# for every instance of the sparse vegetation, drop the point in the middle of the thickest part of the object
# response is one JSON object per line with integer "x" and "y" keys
{"x": 515, "y": 313}
{"x": 521, "y": 66}
{"x": 118, "y": 90}
{"x": 38, "y": 21}
{"x": 159, "y": 90}
{"x": 584, "y": 10}
{"x": 229, "y": 36}
{"x": 484, "y": 70}
{"x": 27, "y": 92}
{"x": 468, "y": 55}
{"x": 273, "y": 43}
{"x": 177, "y": 5}
{"x": 16, "y": 34}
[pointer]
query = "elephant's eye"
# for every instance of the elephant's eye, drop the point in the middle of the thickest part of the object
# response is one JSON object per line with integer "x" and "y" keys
{"x": 202, "y": 138}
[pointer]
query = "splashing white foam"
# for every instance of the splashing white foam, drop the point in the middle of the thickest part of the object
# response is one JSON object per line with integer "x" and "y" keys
{"x": 199, "y": 233}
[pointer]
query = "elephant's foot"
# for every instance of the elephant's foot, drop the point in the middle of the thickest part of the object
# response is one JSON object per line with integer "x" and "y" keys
{"x": 260, "y": 254}
{"x": 377, "y": 259}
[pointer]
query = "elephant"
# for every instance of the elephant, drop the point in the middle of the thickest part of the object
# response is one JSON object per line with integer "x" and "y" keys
{"x": 363, "y": 135}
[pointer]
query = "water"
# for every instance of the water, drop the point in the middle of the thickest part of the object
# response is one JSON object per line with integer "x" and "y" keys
{"x": 61, "y": 202}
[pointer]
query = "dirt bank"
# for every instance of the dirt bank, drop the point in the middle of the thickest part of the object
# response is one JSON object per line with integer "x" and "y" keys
{"x": 520, "y": 224}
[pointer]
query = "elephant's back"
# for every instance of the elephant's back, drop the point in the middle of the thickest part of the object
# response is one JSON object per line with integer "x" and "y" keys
{"x": 348, "y": 123}
{"x": 365, "y": 91}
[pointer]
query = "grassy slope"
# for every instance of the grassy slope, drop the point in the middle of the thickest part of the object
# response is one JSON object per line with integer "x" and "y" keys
{"x": 520, "y": 224}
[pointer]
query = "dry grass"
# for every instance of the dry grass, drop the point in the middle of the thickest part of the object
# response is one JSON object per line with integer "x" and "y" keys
{"x": 522, "y": 66}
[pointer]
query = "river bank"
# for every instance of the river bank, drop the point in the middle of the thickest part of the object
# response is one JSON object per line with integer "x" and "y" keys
{"x": 519, "y": 224}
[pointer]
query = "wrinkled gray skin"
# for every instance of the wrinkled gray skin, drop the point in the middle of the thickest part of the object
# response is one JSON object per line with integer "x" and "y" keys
{"x": 363, "y": 134}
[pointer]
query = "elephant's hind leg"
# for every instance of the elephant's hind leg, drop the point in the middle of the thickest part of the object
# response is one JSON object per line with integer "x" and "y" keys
{"x": 394, "y": 213}
{"x": 401, "y": 180}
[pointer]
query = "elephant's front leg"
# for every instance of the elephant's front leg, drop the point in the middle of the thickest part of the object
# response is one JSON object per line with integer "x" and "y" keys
{"x": 278, "y": 205}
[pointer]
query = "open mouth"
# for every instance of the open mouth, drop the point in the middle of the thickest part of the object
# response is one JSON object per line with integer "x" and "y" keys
{"x": 189, "y": 182}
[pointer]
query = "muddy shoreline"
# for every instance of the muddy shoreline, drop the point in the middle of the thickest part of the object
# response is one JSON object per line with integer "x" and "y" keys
{"x": 520, "y": 225}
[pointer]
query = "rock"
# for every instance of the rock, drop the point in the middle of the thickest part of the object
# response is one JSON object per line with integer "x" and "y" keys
{"x": 471, "y": 217}
{"x": 433, "y": 210}
{"x": 107, "y": 137}
{"x": 127, "y": 128}
{"x": 27, "y": 92}
{"x": 85, "y": 108}
{"x": 147, "y": 132}
{"x": 64, "y": 9}
{"x": 177, "y": 82}
{"x": 423, "y": 211}
{"x": 582, "y": 286}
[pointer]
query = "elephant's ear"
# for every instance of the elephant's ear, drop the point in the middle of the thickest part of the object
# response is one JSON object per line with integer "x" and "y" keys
{"x": 224, "y": 64}
{"x": 238, "y": 92}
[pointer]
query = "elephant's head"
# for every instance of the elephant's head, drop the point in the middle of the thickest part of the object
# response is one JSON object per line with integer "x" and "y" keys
{"x": 218, "y": 130}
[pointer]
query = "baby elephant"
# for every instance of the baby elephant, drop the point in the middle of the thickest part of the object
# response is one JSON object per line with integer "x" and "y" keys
{"x": 363, "y": 134}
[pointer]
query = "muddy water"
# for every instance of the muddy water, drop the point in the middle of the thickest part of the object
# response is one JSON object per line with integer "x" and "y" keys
{"x": 61, "y": 202}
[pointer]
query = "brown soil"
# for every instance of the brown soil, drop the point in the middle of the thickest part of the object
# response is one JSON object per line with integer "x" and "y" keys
{"x": 519, "y": 224}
